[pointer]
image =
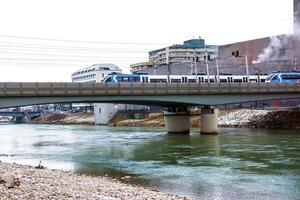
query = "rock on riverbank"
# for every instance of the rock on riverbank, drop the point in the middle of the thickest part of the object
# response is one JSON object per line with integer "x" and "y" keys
{"x": 26, "y": 182}
{"x": 243, "y": 118}
{"x": 248, "y": 118}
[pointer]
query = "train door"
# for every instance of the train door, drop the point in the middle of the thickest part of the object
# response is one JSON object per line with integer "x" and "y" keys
{"x": 201, "y": 79}
{"x": 184, "y": 79}
{"x": 230, "y": 79}
{"x": 145, "y": 79}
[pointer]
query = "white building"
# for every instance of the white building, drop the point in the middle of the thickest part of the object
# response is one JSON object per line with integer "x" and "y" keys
{"x": 96, "y": 73}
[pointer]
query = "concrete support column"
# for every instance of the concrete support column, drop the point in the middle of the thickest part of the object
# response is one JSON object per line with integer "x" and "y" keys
{"x": 103, "y": 112}
{"x": 177, "y": 120}
{"x": 209, "y": 121}
{"x": 18, "y": 120}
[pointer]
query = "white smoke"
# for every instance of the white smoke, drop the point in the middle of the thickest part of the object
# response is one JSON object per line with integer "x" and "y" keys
{"x": 297, "y": 30}
{"x": 278, "y": 43}
{"x": 272, "y": 52}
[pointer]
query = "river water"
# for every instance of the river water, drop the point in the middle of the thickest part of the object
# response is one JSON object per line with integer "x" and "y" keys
{"x": 236, "y": 164}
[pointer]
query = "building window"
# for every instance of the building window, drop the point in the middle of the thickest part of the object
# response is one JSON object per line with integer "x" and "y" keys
{"x": 99, "y": 110}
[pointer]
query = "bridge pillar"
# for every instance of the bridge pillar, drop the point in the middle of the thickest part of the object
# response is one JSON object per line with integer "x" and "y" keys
{"x": 177, "y": 120}
{"x": 18, "y": 120}
{"x": 209, "y": 120}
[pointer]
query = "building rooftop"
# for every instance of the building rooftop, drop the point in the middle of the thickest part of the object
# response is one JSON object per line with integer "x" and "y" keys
{"x": 188, "y": 44}
{"x": 98, "y": 67}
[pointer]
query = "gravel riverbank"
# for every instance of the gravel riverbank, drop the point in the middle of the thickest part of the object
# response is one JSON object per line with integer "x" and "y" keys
{"x": 27, "y": 182}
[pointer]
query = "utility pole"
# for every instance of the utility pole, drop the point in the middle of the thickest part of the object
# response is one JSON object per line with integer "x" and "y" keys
{"x": 195, "y": 65}
{"x": 218, "y": 73}
{"x": 247, "y": 68}
{"x": 207, "y": 69}
{"x": 168, "y": 63}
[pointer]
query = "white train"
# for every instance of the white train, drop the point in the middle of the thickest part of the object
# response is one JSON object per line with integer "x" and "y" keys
{"x": 117, "y": 78}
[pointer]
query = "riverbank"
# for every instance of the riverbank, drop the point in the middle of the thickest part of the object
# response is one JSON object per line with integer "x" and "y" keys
{"x": 65, "y": 118}
{"x": 27, "y": 182}
{"x": 242, "y": 118}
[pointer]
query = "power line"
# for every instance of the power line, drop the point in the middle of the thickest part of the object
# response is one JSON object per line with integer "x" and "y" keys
{"x": 36, "y": 63}
{"x": 30, "y": 45}
{"x": 80, "y": 41}
{"x": 19, "y": 63}
{"x": 71, "y": 56}
{"x": 33, "y": 48}
{"x": 60, "y": 60}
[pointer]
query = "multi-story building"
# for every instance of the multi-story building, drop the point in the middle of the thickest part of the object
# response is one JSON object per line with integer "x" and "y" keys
{"x": 190, "y": 51}
{"x": 96, "y": 73}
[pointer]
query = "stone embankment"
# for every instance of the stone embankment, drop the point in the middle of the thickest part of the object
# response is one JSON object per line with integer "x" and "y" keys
{"x": 247, "y": 118}
{"x": 27, "y": 182}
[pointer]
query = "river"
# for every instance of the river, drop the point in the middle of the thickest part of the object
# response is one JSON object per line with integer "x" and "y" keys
{"x": 236, "y": 164}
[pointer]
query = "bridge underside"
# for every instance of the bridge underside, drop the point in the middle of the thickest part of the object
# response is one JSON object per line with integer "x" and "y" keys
{"x": 160, "y": 100}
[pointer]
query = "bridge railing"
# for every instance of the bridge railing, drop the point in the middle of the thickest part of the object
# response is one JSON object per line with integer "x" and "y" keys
{"x": 93, "y": 89}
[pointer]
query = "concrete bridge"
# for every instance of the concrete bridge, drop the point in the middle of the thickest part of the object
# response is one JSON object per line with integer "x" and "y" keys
{"x": 175, "y": 96}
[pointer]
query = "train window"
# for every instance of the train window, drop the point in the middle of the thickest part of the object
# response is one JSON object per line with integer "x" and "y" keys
{"x": 237, "y": 80}
{"x": 212, "y": 80}
{"x": 158, "y": 80}
{"x": 175, "y": 80}
{"x": 222, "y": 80}
{"x": 192, "y": 80}
{"x": 107, "y": 80}
{"x": 290, "y": 76}
{"x": 123, "y": 79}
{"x": 275, "y": 78}
{"x": 134, "y": 79}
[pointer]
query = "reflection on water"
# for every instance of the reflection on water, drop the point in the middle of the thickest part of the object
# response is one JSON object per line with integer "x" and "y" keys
{"x": 236, "y": 164}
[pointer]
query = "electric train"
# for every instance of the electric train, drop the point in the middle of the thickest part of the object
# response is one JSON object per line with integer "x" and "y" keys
{"x": 283, "y": 77}
{"x": 117, "y": 78}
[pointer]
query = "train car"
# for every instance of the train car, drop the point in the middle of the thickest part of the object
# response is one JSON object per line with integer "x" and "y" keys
{"x": 117, "y": 78}
{"x": 283, "y": 77}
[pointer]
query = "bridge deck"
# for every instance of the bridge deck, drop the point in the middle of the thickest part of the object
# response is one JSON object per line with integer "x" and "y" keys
{"x": 162, "y": 94}
{"x": 19, "y": 89}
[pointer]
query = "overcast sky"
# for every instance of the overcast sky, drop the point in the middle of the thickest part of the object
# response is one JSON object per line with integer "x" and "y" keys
{"x": 83, "y": 32}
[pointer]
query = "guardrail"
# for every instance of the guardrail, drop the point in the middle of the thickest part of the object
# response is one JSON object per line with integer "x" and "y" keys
{"x": 94, "y": 89}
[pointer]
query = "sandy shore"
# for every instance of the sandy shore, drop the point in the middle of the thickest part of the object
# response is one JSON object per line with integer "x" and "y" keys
{"x": 27, "y": 182}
